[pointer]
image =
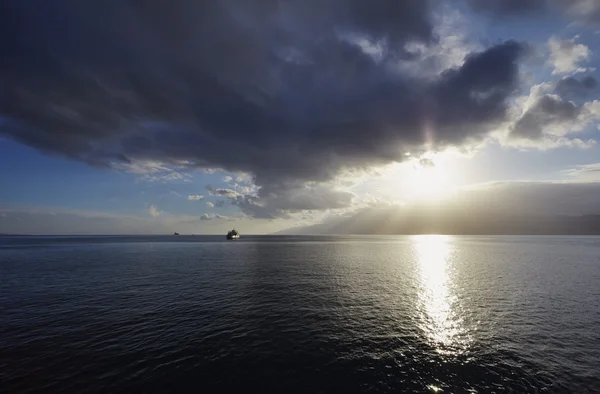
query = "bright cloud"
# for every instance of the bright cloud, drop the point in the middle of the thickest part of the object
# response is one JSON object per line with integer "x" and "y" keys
{"x": 153, "y": 211}
{"x": 566, "y": 55}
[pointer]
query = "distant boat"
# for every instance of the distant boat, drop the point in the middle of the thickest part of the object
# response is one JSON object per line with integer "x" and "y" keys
{"x": 175, "y": 233}
{"x": 233, "y": 234}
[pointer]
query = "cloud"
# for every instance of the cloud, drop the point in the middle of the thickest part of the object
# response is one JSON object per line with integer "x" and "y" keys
{"x": 493, "y": 208}
{"x": 152, "y": 171}
{"x": 195, "y": 197}
{"x": 214, "y": 216}
{"x": 210, "y": 204}
{"x": 547, "y": 111}
{"x": 453, "y": 45}
{"x": 544, "y": 198}
{"x": 172, "y": 176}
{"x": 566, "y": 55}
{"x": 153, "y": 211}
{"x": 545, "y": 119}
{"x": 278, "y": 201}
{"x": 582, "y": 11}
{"x": 243, "y": 178}
{"x": 426, "y": 162}
{"x": 586, "y": 11}
{"x": 222, "y": 192}
{"x": 576, "y": 88}
{"x": 587, "y": 172}
{"x": 227, "y": 179}
{"x": 508, "y": 7}
{"x": 299, "y": 96}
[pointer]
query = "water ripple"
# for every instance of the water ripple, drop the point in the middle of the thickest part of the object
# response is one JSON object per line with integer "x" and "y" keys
{"x": 316, "y": 314}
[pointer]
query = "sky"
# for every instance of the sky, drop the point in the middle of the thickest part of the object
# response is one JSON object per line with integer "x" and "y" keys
{"x": 160, "y": 116}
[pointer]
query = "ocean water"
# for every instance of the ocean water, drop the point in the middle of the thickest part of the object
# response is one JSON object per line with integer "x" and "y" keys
{"x": 286, "y": 314}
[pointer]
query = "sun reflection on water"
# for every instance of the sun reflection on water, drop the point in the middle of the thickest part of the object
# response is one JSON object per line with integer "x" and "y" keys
{"x": 440, "y": 313}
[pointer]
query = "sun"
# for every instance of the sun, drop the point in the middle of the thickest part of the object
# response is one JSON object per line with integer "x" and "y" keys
{"x": 428, "y": 180}
{"x": 431, "y": 177}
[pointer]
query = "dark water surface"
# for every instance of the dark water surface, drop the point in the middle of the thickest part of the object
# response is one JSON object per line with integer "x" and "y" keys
{"x": 300, "y": 314}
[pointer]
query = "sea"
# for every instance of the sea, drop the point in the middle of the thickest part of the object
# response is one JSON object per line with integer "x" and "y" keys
{"x": 300, "y": 314}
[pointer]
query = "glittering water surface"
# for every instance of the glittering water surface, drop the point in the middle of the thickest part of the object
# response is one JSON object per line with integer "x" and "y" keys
{"x": 300, "y": 314}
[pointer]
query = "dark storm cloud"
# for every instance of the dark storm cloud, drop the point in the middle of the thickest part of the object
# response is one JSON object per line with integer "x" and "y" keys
{"x": 278, "y": 89}
{"x": 508, "y": 7}
{"x": 586, "y": 11}
{"x": 576, "y": 87}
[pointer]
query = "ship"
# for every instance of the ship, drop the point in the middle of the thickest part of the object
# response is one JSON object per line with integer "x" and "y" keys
{"x": 233, "y": 234}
